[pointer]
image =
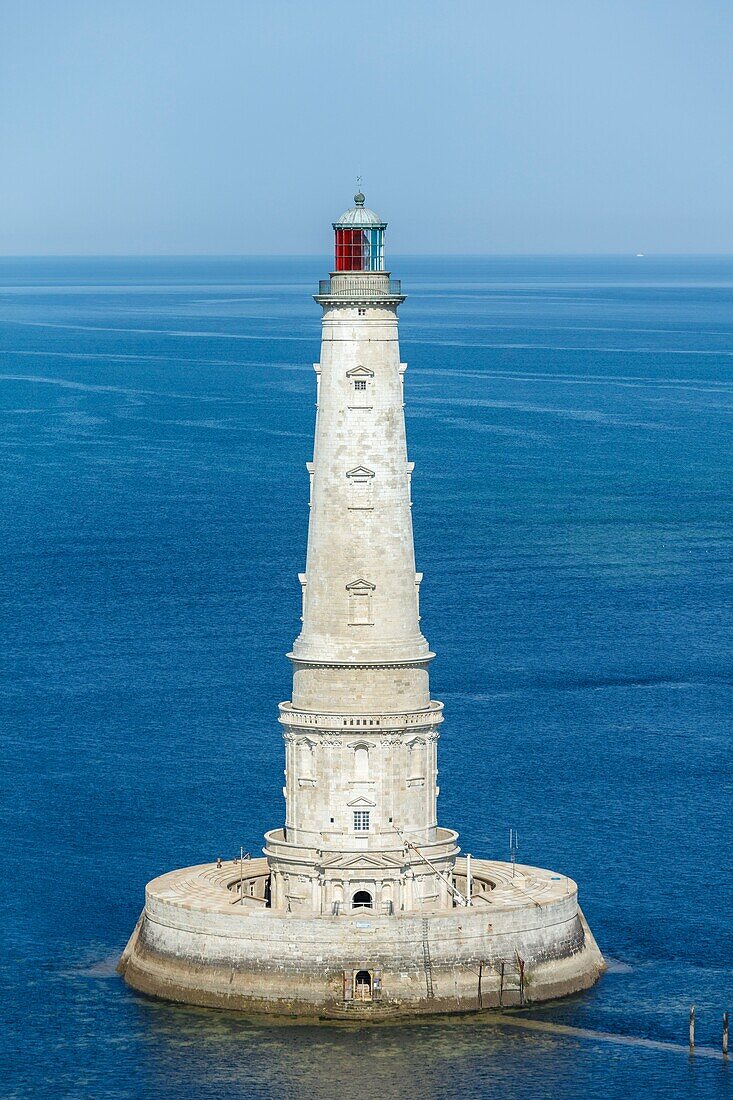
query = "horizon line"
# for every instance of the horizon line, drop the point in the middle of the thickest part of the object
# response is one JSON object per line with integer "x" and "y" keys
{"x": 322, "y": 255}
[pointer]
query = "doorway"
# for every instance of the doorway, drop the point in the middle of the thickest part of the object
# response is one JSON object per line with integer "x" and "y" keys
{"x": 363, "y": 985}
{"x": 362, "y": 899}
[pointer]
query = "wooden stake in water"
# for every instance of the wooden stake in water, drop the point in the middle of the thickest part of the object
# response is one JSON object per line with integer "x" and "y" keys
{"x": 725, "y": 1034}
{"x": 692, "y": 1028}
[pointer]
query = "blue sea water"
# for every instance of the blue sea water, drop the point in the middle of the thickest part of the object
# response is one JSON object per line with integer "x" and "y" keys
{"x": 570, "y": 420}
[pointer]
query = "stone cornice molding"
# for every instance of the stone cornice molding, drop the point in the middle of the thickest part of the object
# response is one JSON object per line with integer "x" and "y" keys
{"x": 380, "y": 663}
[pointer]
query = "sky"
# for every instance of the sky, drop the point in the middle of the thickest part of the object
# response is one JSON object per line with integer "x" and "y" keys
{"x": 478, "y": 126}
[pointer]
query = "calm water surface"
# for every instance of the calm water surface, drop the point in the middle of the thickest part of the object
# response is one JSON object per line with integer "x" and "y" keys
{"x": 570, "y": 421}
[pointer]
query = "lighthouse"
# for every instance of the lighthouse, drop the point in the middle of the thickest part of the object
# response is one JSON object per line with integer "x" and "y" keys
{"x": 361, "y": 731}
{"x": 362, "y": 905}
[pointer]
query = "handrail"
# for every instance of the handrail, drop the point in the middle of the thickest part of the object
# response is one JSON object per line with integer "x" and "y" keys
{"x": 366, "y": 285}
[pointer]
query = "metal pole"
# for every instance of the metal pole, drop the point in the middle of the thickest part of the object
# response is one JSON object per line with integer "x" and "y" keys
{"x": 241, "y": 873}
{"x": 725, "y": 1034}
{"x": 444, "y": 878}
{"x": 692, "y": 1028}
{"x": 469, "y": 880}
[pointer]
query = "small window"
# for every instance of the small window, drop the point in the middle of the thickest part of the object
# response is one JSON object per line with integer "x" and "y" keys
{"x": 362, "y": 312}
{"x": 360, "y": 384}
{"x": 361, "y": 821}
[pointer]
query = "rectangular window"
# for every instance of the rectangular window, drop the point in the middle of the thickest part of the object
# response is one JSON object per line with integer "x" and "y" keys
{"x": 361, "y": 609}
{"x": 361, "y": 821}
{"x": 360, "y": 492}
{"x": 360, "y": 384}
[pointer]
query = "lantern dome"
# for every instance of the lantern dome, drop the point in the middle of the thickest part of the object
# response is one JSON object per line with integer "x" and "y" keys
{"x": 359, "y": 216}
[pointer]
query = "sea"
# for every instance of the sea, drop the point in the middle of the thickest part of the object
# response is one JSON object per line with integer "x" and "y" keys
{"x": 570, "y": 422}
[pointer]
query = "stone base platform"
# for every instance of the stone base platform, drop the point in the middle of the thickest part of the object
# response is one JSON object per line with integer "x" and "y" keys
{"x": 522, "y": 940}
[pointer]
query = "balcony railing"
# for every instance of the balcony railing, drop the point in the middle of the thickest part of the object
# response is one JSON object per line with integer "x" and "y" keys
{"x": 430, "y": 716}
{"x": 368, "y": 285}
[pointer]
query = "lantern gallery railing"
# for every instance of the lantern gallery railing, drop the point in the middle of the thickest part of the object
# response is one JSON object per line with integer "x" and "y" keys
{"x": 357, "y": 285}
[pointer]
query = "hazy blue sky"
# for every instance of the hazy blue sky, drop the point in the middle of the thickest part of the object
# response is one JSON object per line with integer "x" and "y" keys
{"x": 228, "y": 126}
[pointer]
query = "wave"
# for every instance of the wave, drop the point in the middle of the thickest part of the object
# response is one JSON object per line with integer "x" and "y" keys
{"x": 631, "y": 381}
{"x": 118, "y": 357}
{"x": 562, "y": 347}
{"x": 87, "y": 387}
{"x": 269, "y": 338}
{"x": 593, "y": 416}
{"x": 544, "y": 683}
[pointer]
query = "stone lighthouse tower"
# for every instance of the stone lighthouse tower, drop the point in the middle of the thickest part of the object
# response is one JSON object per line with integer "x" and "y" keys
{"x": 361, "y": 904}
{"x": 361, "y": 730}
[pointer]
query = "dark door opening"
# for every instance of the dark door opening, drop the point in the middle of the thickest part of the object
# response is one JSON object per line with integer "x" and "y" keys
{"x": 362, "y": 899}
{"x": 363, "y": 985}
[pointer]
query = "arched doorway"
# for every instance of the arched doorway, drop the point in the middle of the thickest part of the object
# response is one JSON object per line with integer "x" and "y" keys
{"x": 362, "y": 899}
{"x": 363, "y": 985}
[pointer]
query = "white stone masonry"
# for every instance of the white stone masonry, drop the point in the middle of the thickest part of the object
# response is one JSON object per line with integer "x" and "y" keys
{"x": 361, "y": 731}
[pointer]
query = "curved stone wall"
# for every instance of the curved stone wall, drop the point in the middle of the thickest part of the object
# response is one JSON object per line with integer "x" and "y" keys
{"x": 525, "y": 941}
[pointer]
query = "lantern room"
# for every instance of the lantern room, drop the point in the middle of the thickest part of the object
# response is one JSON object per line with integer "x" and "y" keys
{"x": 359, "y": 243}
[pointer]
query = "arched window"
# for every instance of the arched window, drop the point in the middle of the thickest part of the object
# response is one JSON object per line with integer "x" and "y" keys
{"x": 361, "y": 762}
{"x": 387, "y": 905}
{"x": 305, "y": 762}
{"x": 362, "y": 899}
{"x": 416, "y": 762}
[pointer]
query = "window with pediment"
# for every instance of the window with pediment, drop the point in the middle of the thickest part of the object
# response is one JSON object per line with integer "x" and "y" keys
{"x": 361, "y": 481}
{"x": 360, "y": 387}
{"x": 360, "y": 594}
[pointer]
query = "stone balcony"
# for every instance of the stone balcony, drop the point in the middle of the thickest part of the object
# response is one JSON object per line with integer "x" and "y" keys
{"x": 431, "y": 716}
{"x": 339, "y": 850}
{"x": 360, "y": 286}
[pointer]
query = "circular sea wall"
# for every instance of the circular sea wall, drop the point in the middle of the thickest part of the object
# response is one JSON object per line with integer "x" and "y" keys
{"x": 206, "y": 938}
